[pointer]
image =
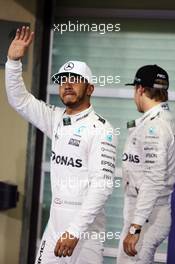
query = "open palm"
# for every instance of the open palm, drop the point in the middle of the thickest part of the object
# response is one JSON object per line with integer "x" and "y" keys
{"x": 20, "y": 44}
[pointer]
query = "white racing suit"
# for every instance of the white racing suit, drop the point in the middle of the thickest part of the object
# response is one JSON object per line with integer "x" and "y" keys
{"x": 82, "y": 169}
{"x": 149, "y": 176}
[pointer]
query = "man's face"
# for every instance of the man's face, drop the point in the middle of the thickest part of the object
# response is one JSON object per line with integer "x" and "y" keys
{"x": 138, "y": 98}
{"x": 73, "y": 91}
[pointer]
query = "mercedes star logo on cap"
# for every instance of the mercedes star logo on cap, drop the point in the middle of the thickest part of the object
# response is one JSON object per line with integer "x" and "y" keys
{"x": 69, "y": 66}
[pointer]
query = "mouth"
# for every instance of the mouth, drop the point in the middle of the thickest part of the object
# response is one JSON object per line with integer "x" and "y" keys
{"x": 69, "y": 93}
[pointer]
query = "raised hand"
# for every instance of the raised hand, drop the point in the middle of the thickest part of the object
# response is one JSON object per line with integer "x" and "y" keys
{"x": 20, "y": 44}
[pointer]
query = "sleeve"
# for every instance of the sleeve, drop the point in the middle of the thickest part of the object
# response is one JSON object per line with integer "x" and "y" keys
{"x": 101, "y": 166}
{"x": 155, "y": 147}
{"x": 37, "y": 112}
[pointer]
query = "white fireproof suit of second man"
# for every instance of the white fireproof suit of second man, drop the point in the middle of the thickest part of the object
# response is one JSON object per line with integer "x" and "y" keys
{"x": 149, "y": 176}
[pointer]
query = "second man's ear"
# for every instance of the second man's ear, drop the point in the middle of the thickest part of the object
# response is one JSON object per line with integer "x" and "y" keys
{"x": 141, "y": 89}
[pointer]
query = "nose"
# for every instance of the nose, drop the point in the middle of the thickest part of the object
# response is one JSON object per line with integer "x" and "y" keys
{"x": 68, "y": 85}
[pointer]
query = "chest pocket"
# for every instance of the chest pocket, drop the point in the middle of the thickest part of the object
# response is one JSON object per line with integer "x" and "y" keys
{"x": 69, "y": 141}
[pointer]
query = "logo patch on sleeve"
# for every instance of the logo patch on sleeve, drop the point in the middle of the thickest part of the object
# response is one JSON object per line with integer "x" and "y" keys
{"x": 109, "y": 137}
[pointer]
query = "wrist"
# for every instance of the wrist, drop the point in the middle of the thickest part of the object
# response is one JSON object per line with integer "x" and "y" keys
{"x": 13, "y": 63}
{"x": 136, "y": 226}
{"x": 134, "y": 229}
{"x": 13, "y": 58}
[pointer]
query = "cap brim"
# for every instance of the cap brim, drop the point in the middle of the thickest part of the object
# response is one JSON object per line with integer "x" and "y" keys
{"x": 132, "y": 84}
{"x": 56, "y": 77}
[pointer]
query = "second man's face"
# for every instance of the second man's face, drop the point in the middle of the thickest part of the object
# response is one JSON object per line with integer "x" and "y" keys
{"x": 137, "y": 98}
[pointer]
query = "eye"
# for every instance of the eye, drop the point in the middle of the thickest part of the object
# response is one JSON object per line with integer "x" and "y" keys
{"x": 72, "y": 79}
{"x": 75, "y": 79}
{"x": 78, "y": 79}
{"x": 63, "y": 80}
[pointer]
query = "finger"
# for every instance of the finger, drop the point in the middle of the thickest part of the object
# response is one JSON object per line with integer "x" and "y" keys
{"x": 133, "y": 249}
{"x": 57, "y": 247}
{"x": 126, "y": 250}
{"x": 27, "y": 34}
{"x": 30, "y": 39}
{"x": 17, "y": 34}
{"x": 23, "y": 30}
{"x": 130, "y": 252}
{"x": 56, "y": 251}
{"x": 70, "y": 251}
{"x": 61, "y": 250}
{"x": 126, "y": 247}
{"x": 65, "y": 252}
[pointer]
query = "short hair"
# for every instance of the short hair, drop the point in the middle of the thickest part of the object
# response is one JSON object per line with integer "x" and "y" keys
{"x": 159, "y": 95}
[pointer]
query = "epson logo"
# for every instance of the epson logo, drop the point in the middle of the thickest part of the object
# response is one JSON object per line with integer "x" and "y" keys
{"x": 131, "y": 158}
{"x": 66, "y": 161}
{"x": 110, "y": 164}
{"x": 151, "y": 155}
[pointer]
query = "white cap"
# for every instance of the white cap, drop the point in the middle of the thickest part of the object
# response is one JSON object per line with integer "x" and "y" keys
{"x": 75, "y": 67}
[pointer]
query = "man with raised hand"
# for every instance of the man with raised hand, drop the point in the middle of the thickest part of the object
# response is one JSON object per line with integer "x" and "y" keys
{"x": 148, "y": 169}
{"x": 82, "y": 158}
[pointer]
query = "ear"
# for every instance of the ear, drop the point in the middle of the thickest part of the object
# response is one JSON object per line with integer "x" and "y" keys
{"x": 90, "y": 89}
{"x": 141, "y": 89}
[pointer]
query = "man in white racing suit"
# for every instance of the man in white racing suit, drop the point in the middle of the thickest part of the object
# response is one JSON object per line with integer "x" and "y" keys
{"x": 148, "y": 169}
{"x": 82, "y": 158}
